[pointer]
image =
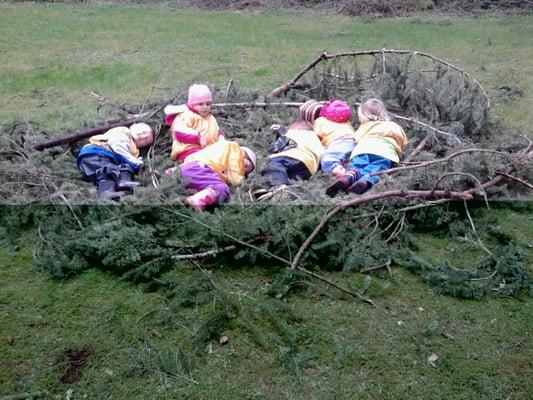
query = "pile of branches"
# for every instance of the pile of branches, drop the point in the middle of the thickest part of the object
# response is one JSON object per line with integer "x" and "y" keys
{"x": 456, "y": 155}
{"x": 365, "y": 7}
{"x": 455, "y": 151}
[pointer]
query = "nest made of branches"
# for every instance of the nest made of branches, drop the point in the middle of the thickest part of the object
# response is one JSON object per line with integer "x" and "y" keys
{"x": 455, "y": 150}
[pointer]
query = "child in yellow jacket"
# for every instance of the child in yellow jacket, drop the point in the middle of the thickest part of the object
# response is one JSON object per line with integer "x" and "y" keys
{"x": 192, "y": 125}
{"x": 331, "y": 123}
{"x": 211, "y": 170}
{"x": 296, "y": 155}
{"x": 380, "y": 143}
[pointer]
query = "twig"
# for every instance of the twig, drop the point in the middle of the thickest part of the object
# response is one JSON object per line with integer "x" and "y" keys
{"x": 414, "y": 121}
{"x": 475, "y": 231}
{"x": 242, "y": 242}
{"x": 384, "y": 265}
{"x": 157, "y": 75}
{"x": 484, "y": 277}
{"x": 463, "y": 174}
{"x": 253, "y": 104}
{"x": 210, "y": 253}
{"x": 341, "y": 288}
{"x": 276, "y": 257}
{"x": 417, "y": 149}
{"x": 228, "y": 88}
{"x": 437, "y": 194}
{"x": 71, "y": 210}
{"x": 440, "y": 160}
{"x": 514, "y": 178}
{"x": 397, "y": 229}
{"x": 285, "y": 87}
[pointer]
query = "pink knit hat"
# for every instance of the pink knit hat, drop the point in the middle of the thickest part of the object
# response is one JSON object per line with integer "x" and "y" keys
{"x": 199, "y": 94}
{"x": 336, "y": 110}
{"x": 310, "y": 110}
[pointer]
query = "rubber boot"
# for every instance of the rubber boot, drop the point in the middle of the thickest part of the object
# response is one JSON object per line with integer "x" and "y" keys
{"x": 359, "y": 187}
{"x": 200, "y": 200}
{"x": 125, "y": 180}
{"x": 342, "y": 183}
{"x": 107, "y": 189}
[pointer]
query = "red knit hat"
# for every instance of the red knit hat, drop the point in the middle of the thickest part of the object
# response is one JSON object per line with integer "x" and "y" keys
{"x": 336, "y": 110}
{"x": 309, "y": 111}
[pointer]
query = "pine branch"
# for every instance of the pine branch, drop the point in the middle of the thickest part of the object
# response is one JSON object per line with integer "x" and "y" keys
{"x": 214, "y": 252}
{"x": 426, "y": 194}
{"x": 325, "y": 56}
{"x": 441, "y": 160}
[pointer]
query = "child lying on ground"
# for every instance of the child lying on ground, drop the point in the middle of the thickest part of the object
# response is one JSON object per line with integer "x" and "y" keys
{"x": 211, "y": 170}
{"x": 296, "y": 155}
{"x": 110, "y": 160}
{"x": 331, "y": 123}
{"x": 380, "y": 144}
{"x": 192, "y": 125}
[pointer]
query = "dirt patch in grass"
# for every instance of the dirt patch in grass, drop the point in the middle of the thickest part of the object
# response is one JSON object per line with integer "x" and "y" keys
{"x": 76, "y": 359}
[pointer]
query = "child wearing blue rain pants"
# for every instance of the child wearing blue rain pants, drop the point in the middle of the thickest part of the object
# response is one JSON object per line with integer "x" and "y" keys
{"x": 380, "y": 144}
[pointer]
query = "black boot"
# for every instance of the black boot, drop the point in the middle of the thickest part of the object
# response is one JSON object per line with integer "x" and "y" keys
{"x": 125, "y": 180}
{"x": 107, "y": 189}
{"x": 359, "y": 187}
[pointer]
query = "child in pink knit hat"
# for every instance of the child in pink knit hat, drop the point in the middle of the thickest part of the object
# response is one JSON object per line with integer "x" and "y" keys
{"x": 192, "y": 125}
{"x": 380, "y": 144}
{"x": 331, "y": 123}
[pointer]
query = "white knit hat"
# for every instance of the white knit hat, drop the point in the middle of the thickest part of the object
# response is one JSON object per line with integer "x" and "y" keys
{"x": 251, "y": 155}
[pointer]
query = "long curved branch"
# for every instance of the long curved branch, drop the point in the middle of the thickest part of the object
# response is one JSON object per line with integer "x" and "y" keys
{"x": 325, "y": 56}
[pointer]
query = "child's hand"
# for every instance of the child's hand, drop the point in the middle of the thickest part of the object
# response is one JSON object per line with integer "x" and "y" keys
{"x": 203, "y": 142}
{"x": 170, "y": 171}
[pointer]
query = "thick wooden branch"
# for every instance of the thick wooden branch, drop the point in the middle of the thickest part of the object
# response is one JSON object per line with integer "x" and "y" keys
{"x": 83, "y": 134}
{"x": 287, "y": 86}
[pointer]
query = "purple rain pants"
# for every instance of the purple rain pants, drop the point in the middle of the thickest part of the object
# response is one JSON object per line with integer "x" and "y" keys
{"x": 201, "y": 177}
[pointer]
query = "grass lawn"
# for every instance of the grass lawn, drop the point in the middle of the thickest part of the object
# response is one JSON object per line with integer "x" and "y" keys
{"x": 53, "y": 56}
{"x": 126, "y": 343}
{"x": 347, "y": 349}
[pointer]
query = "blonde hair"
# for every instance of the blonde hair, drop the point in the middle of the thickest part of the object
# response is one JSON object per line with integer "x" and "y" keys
{"x": 373, "y": 110}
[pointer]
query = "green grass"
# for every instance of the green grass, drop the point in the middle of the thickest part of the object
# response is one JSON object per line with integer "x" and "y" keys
{"x": 348, "y": 349}
{"x": 47, "y": 71}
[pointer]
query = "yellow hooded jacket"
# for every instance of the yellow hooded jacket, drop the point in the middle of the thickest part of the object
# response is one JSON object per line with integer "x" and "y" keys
{"x": 189, "y": 123}
{"x": 308, "y": 148}
{"x": 225, "y": 157}
{"x": 383, "y": 138}
{"x": 328, "y": 130}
